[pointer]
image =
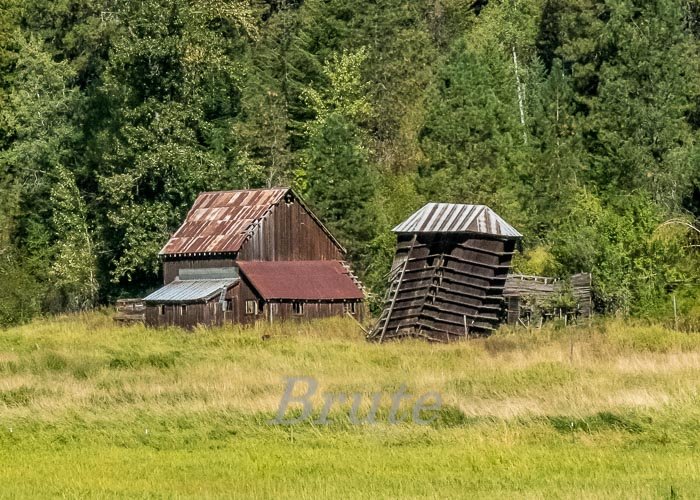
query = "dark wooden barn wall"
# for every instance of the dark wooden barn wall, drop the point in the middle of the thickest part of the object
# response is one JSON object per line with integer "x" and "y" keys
{"x": 283, "y": 310}
{"x": 449, "y": 280}
{"x": 209, "y": 314}
{"x": 212, "y": 313}
{"x": 289, "y": 233}
{"x": 171, "y": 266}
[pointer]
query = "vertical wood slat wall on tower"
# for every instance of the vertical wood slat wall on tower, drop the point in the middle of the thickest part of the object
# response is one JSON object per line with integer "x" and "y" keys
{"x": 454, "y": 260}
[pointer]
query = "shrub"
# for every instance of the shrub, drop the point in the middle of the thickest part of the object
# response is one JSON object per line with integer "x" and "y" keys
{"x": 53, "y": 362}
{"x": 20, "y": 396}
{"x": 19, "y": 294}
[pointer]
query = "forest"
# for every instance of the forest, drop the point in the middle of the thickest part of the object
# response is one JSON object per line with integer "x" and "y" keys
{"x": 578, "y": 121}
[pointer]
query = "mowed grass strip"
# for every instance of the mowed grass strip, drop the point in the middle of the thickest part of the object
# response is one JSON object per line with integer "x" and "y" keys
{"x": 88, "y": 408}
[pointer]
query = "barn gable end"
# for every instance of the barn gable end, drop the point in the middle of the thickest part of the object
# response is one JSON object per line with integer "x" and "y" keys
{"x": 290, "y": 231}
{"x": 254, "y": 224}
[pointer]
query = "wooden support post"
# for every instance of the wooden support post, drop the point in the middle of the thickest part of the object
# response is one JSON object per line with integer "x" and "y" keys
{"x": 398, "y": 287}
{"x": 358, "y": 323}
{"x": 571, "y": 347}
{"x": 675, "y": 313}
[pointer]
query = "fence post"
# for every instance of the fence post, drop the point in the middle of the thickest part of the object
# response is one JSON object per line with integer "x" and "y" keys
{"x": 675, "y": 313}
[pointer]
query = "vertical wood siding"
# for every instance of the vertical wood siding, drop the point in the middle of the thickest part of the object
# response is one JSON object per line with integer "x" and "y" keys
{"x": 212, "y": 313}
{"x": 289, "y": 232}
{"x": 286, "y": 233}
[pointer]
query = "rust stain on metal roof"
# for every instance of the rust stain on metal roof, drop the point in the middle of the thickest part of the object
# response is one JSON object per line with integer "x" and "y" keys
{"x": 220, "y": 222}
{"x": 457, "y": 218}
{"x": 301, "y": 280}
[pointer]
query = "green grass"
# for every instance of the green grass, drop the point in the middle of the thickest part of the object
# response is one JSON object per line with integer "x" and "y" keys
{"x": 89, "y": 409}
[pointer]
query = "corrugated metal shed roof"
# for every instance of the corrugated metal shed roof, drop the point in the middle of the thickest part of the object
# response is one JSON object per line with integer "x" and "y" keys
{"x": 220, "y": 221}
{"x": 456, "y": 218}
{"x": 188, "y": 291}
{"x": 301, "y": 280}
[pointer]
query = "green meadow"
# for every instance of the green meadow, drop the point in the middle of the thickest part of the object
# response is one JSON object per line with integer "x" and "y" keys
{"x": 89, "y": 409}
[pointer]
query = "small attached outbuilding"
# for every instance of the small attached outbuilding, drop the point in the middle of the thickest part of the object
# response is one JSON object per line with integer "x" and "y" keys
{"x": 447, "y": 279}
{"x": 196, "y": 297}
{"x": 299, "y": 289}
{"x": 252, "y": 255}
{"x": 535, "y": 299}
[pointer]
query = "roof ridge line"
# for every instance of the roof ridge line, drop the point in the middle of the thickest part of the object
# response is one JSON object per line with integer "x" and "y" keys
{"x": 287, "y": 188}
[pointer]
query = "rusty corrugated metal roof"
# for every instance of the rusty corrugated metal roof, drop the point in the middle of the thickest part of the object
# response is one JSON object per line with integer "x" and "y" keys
{"x": 220, "y": 221}
{"x": 301, "y": 280}
{"x": 456, "y": 218}
{"x": 189, "y": 291}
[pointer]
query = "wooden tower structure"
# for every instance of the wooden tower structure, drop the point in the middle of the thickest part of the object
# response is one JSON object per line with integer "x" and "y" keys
{"x": 447, "y": 278}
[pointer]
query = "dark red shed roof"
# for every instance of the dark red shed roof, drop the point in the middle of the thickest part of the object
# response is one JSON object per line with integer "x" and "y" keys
{"x": 301, "y": 280}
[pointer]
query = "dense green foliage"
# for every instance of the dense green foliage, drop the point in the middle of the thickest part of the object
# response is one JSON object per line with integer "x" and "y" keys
{"x": 577, "y": 120}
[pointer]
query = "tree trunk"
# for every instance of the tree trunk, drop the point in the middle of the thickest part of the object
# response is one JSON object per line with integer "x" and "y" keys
{"x": 521, "y": 97}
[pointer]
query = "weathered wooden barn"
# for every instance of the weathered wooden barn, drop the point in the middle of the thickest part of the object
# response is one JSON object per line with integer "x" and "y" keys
{"x": 447, "y": 279}
{"x": 252, "y": 255}
{"x": 533, "y": 300}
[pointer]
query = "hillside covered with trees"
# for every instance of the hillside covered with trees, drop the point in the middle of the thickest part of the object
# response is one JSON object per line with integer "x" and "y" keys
{"x": 576, "y": 120}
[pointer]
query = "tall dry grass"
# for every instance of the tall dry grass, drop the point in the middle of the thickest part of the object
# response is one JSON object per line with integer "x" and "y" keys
{"x": 88, "y": 409}
{"x": 85, "y": 365}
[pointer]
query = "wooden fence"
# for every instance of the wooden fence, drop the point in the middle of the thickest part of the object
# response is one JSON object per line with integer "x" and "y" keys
{"x": 130, "y": 311}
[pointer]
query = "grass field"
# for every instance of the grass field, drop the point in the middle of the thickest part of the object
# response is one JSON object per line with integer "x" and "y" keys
{"x": 89, "y": 409}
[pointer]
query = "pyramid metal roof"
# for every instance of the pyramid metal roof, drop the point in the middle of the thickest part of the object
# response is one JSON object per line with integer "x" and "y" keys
{"x": 457, "y": 218}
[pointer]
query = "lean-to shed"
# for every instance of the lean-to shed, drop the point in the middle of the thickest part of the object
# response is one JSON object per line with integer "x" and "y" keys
{"x": 252, "y": 255}
{"x": 448, "y": 274}
{"x": 533, "y": 299}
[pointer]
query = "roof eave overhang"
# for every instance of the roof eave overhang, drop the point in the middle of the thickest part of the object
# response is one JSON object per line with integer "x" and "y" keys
{"x": 175, "y": 302}
{"x": 231, "y": 253}
{"x": 469, "y": 233}
{"x": 201, "y": 300}
{"x": 307, "y": 299}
